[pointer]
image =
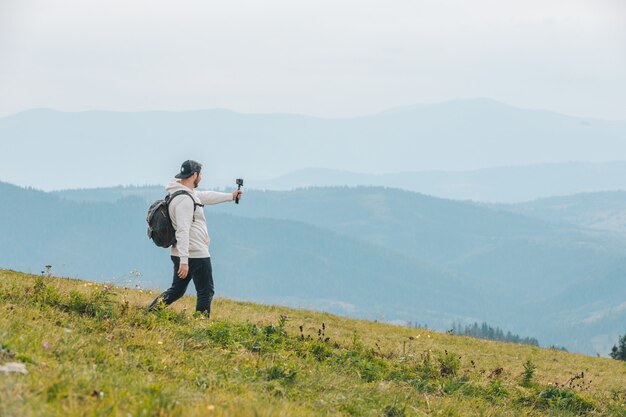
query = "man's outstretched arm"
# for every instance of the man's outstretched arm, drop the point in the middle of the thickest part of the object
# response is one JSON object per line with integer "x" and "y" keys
{"x": 216, "y": 197}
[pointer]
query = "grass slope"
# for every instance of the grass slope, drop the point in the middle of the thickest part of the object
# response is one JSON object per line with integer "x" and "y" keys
{"x": 93, "y": 350}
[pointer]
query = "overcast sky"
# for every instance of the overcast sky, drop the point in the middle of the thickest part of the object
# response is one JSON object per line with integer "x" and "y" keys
{"x": 330, "y": 58}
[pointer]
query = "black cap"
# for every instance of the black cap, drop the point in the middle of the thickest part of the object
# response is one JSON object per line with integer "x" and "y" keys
{"x": 188, "y": 168}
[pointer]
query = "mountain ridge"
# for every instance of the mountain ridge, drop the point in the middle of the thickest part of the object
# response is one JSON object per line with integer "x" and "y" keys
{"x": 442, "y": 138}
{"x": 484, "y": 101}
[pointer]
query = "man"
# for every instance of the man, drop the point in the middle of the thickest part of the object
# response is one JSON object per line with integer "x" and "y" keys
{"x": 190, "y": 254}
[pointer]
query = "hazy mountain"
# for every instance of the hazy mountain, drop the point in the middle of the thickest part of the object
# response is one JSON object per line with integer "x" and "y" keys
{"x": 109, "y": 148}
{"x": 495, "y": 185}
{"x": 602, "y": 210}
{"x": 505, "y": 184}
{"x": 111, "y": 194}
{"x": 375, "y": 252}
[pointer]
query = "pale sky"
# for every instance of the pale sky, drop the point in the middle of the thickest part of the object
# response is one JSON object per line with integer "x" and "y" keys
{"x": 331, "y": 58}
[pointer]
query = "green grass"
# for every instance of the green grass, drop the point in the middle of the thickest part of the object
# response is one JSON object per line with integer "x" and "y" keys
{"x": 92, "y": 350}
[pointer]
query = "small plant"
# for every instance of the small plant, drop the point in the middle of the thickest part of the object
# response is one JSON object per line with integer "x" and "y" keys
{"x": 394, "y": 411}
{"x": 357, "y": 343}
{"x": 47, "y": 271}
{"x": 529, "y": 373}
{"x": 97, "y": 304}
{"x": 578, "y": 381}
{"x": 125, "y": 307}
{"x": 496, "y": 373}
{"x": 371, "y": 369}
{"x": 452, "y": 385}
{"x": 5, "y": 353}
{"x": 618, "y": 395}
{"x": 495, "y": 390}
{"x": 45, "y": 294}
{"x": 426, "y": 367}
{"x": 281, "y": 372}
{"x": 220, "y": 332}
{"x": 363, "y": 362}
{"x": 320, "y": 350}
{"x": 449, "y": 364}
{"x": 561, "y": 398}
{"x": 282, "y": 320}
{"x": 132, "y": 279}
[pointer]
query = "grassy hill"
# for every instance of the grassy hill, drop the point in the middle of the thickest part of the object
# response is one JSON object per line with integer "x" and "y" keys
{"x": 90, "y": 349}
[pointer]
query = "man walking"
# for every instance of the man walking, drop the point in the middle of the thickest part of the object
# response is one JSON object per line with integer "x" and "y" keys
{"x": 190, "y": 254}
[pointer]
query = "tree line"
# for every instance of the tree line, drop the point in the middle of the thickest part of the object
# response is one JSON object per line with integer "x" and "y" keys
{"x": 485, "y": 331}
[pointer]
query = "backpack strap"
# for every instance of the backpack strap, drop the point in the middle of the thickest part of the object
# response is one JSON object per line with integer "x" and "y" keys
{"x": 170, "y": 197}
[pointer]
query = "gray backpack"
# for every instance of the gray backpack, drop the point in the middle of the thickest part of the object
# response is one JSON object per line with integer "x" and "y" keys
{"x": 160, "y": 228}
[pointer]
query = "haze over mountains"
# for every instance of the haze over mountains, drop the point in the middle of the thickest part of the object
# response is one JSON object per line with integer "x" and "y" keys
{"x": 550, "y": 268}
{"x": 368, "y": 252}
{"x": 601, "y": 210}
{"x": 504, "y": 184}
{"x": 495, "y": 185}
{"x": 99, "y": 148}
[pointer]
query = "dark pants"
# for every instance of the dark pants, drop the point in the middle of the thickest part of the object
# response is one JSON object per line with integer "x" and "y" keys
{"x": 202, "y": 274}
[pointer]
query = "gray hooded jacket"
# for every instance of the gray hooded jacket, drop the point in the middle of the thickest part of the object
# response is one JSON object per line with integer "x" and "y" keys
{"x": 192, "y": 237}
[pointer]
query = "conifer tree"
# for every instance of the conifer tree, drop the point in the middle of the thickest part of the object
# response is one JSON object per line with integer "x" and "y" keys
{"x": 619, "y": 351}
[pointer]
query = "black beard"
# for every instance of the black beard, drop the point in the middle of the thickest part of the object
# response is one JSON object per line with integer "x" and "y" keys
{"x": 195, "y": 184}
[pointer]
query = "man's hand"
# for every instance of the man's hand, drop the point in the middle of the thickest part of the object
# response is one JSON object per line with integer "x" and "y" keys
{"x": 183, "y": 270}
{"x": 237, "y": 193}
